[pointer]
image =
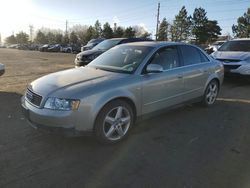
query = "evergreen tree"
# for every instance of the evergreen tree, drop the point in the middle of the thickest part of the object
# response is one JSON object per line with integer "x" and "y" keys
{"x": 65, "y": 39}
{"x": 129, "y": 32}
{"x": 213, "y": 30}
{"x": 98, "y": 29}
{"x": 58, "y": 38}
{"x": 22, "y": 38}
{"x": 40, "y": 38}
{"x": 90, "y": 34}
{"x": 181, "y": 28}
{"x": 119, "y": 32}
{"x": 73, "y": 39}
{"x": 163, "y": 31}
{"x": 199, "y": 22}
{"x": 242, "y": 29}
{"x": 11, "y": 40}
{"x": 107, "y": 31}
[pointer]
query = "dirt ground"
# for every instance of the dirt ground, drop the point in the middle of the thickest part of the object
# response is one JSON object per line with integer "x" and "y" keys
{"x": 189, "y": 147}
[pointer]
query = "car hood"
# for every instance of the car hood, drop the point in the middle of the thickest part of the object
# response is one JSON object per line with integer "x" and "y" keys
{"x": 70, "y": 80}
{"x": 231, "y": 55}
{"x": 90, "y": 52}
{"x": 89, "y": 45}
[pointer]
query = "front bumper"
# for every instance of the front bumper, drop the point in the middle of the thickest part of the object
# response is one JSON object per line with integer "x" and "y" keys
{"x": 237, "y": 68}
{"x": 79, "y": 63}
{"x": 51, "y": 121}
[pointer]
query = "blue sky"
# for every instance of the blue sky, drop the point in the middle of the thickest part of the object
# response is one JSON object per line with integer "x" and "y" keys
{"x": 54, "y": 13}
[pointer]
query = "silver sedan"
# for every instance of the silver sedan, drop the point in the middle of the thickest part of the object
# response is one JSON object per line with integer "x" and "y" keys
{"x": 126, "y": 82}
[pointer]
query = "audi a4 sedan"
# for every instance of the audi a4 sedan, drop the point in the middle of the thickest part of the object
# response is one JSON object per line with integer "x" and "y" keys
{"x": 125, "y": 83}
{"x": 235, "y": 56}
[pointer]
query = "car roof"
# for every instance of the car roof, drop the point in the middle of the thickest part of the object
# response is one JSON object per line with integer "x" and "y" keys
{"x": 240, "y": 39}
{"x": 116, "y": 39}
{"x": 155, "y": 43}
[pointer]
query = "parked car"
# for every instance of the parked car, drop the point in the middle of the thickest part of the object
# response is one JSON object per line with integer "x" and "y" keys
{"x": 55, "y": 48}
{"x": 2, "y": 69}
{"x": 23, "y": 47}
{"x": 235, "y": 56}
{"x": 44, "y": 48}
{"x": 125, "y": 83}
{"x": 66, "y": 49}
{"x": 91, "y": 44}
{"x": 214, "y": 47}
{"x": 71, "y": 49}
{"x": 14, "y": 46}
{"x": 85, "y": 57}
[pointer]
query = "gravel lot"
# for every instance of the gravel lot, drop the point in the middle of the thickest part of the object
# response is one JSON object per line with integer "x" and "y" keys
{"x": 189, "y": 147}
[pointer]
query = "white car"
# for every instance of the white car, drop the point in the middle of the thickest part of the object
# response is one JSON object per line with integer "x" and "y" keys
{"x": 235, "y": 56}
{"x": 2, "y": 69}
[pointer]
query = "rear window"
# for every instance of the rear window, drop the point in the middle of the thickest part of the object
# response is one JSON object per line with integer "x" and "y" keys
{"x": 192, "y": 55}
{"x": 242, "y": 46}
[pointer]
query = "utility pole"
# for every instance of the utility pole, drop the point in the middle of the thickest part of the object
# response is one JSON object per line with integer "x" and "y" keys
{"x": 66, "y": 31}
{"x": 157, "y": 21}
{"x": 31, "y": 32}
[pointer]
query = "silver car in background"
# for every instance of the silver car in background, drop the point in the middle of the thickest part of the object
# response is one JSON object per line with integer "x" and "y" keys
{"x": 124, "y": 83}
{"x": 2, "y": 69}
{"x": 235, "y": 56}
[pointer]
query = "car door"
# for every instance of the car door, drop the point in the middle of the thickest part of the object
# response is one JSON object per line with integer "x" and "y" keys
{"x": 162, "y": 89}
{"x": 195, "y": 69}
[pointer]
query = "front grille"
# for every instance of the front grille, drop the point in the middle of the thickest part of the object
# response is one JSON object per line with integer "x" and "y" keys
{"x": 33, "y": 97}
{"x": 229, "y": 60}
{"x": 231, "y": 66}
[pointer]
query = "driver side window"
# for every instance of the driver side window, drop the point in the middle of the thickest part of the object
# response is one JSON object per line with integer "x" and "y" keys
{"x": 166, "y": 57}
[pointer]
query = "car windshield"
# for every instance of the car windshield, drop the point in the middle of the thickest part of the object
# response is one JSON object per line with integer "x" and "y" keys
{"x": 240, "y": 45}
{"x": 107, "y": 44}
{"x": 125, "y": 58}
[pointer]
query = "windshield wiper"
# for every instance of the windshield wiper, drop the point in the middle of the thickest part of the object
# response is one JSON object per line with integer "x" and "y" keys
{"x": 113, "y": 70}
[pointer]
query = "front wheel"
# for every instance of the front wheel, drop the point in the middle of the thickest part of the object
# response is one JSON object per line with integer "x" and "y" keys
{"x": 211, "y": 93}
{"x": 114, "y": 121}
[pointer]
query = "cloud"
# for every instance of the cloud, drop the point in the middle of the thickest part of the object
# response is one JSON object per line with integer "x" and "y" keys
{"x": 143, "y": 26}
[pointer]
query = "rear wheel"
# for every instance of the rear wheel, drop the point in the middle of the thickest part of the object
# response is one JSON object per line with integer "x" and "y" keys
{"x": 114, "y": 121}
{"x": 211, "y": 93}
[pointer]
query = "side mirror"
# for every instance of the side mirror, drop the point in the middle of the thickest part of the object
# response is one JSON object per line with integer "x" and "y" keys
{"x": 154, "y": 68}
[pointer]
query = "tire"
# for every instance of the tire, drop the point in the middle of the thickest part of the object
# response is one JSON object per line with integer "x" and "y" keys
{"x": 68, "y": 51}
{"x": 211, "y": 93}
{"x": 114, "y": 122}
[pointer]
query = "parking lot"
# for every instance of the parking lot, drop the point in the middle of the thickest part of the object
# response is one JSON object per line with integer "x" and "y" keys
{"x": 187, "y": 147}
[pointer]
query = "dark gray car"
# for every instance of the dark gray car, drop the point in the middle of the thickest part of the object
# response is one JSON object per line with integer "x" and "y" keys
{"x": 2, "y": 69}
{"x": 85, "y": 57}
{"x": 126, "y": 82}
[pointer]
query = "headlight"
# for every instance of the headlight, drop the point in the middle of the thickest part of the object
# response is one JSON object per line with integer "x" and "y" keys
{"x": 248, "y": 60}
{"x": 79, "y": 56}
{"x": 62, "y": 104}
{"x": 91, "y": 57}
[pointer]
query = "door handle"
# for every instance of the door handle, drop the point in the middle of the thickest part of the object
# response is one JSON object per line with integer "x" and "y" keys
{"x": 180, "y": 76}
